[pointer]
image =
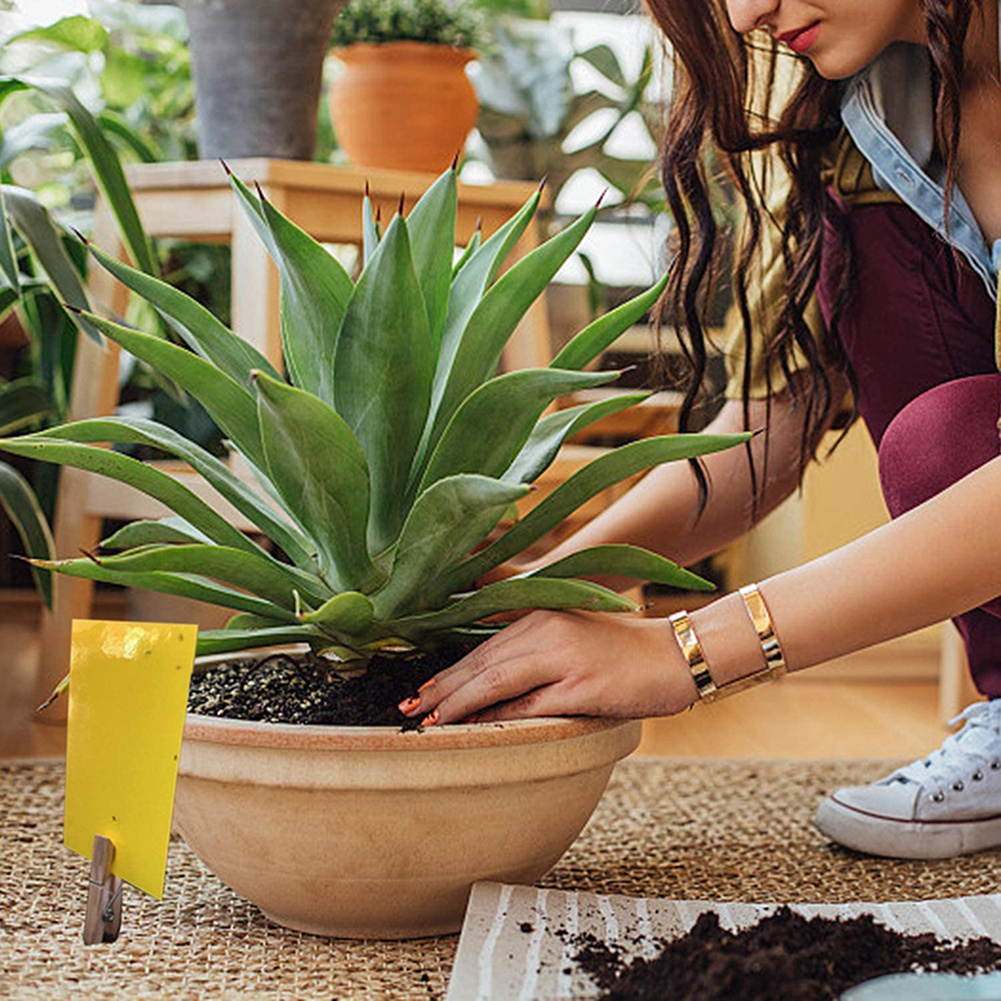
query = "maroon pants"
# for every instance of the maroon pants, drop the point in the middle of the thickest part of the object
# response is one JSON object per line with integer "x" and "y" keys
{"x": 918, "y": 330}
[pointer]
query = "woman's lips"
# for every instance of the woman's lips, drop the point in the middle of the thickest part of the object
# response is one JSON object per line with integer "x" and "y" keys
{"x": 802, "y": 38}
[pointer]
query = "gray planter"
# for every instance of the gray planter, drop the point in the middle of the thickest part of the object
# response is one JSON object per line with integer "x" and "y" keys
{"x": 257, "y": 66}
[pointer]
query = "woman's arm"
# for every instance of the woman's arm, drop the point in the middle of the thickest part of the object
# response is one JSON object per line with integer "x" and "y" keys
{"x": 660, "y": 512}
{"x": 937, "y": 560}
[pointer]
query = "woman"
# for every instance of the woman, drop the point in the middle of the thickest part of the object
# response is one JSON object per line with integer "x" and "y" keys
{"x": 873, "y": 189}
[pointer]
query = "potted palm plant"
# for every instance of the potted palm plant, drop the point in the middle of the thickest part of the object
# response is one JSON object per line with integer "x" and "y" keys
{"x": 402, "y": 100}
{"x": 385, "y": 463}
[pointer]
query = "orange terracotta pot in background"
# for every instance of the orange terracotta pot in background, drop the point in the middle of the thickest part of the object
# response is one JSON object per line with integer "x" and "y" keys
{"x": 403, "y": 105}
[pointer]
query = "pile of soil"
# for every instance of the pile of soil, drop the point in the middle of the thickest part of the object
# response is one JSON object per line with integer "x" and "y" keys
{"x": 783, "y": 956}
{"x": 307, "y": 688}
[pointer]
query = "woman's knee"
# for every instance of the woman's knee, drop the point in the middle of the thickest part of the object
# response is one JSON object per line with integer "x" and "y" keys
{"x": 938, "y": 438}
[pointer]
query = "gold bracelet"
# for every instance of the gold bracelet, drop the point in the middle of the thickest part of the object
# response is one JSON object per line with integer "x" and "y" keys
{"x": 761, "y": 619}
{"x": 691, "y": 650}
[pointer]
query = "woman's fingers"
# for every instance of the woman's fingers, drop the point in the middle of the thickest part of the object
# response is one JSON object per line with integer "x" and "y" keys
{"x": 448, "y": 679}
{"x": 491, "y": 674}
{"x": 562, "y": 663}
{"x": 549, "y": 700}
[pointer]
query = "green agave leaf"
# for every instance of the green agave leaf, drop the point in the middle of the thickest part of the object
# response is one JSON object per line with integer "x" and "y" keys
{"x": 599, "y": 335}
{"x": 496, "y": 316}
{"x": 465, "y": 634}
{"x": 184, "y": 585}
{"x": 319, "y": 469}
{"x": 603, "y": 472}
{"x": 431, "y": 225}
{"x": 623, "y": 561}
{"x": 496, "y": 419}
{"x": 553, "y": 430}
{"x": 224, "y": 399}
{"x": 21, "y": 505}
{"x": 150, "y": 480}
{"x": 22, "y": 402}
{"x": 104, "y": 161}
{"x": 445, "y": 523}
{"x": 261, "y": 479}
{"x": 471, "y": 282}
{"x": 222, "y": 563}
{"x": 511, "y": 595}
{"x": 315, "y": 291}
{"x": 254, "y": 207}
{"x": 471, "y": 248}
{"x": 384, "y": 368}
{"x": 164, "y": 531}
{"x": 347, "y": 612}
{"x": 8, "y": 262}
{"x": 369, "y": 230}
{"x": 199, "y": 328}
{"x": 33, "y": 222}
{"x": 310, "y": 318}
{"x": 213, "y": 641}
{"x": 247, "y": 620}
{"x": 139, "y": 431}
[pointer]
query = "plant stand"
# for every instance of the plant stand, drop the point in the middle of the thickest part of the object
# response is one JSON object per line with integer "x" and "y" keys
{"x": 193, "y": 201}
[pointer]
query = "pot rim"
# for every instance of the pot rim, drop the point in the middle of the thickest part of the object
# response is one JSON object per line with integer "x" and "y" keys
{"x": 455, "y": 736}
{"x": 459, "y": 736}
{"x": 374, "y": 51}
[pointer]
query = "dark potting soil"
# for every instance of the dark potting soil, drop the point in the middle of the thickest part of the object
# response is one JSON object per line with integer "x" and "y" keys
{"x": 783, "y": 956}
{"x": 307, "y": 688}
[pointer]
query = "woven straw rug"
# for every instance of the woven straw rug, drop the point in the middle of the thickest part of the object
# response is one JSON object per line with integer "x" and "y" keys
{"x": 695, "y": 830}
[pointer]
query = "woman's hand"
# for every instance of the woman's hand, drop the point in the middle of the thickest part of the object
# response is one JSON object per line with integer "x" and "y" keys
{"x": 559, "y": 664}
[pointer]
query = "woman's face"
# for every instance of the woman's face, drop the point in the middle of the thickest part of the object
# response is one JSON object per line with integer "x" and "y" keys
{"x": 840, "y": 37}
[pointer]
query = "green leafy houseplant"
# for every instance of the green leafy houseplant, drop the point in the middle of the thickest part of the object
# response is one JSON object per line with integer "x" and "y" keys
{"x": 529, "y": 107}
{"x": 387, "y": 458}
{"x": 401, "y": 99}
{"x": 38, "y": 269}
{"x": 375, "y": 22}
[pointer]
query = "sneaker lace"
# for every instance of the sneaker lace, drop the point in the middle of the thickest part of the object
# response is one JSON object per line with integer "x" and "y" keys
{"x": 962, "y": 753}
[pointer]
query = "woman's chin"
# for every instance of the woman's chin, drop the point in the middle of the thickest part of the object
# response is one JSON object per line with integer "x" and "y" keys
{"x": 833, "y": 64}
{"x": 833, "y": 69}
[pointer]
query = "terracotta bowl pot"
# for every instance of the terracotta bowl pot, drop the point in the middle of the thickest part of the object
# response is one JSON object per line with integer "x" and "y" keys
{"x": 367, "y": 832}
{"x": 403, "y": 105}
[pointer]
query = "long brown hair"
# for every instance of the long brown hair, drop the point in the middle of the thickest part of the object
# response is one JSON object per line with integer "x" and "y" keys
{"x": 722, "y": 97}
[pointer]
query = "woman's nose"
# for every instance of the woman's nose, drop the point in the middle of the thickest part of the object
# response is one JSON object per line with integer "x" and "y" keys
{"x": 746, "y": 15}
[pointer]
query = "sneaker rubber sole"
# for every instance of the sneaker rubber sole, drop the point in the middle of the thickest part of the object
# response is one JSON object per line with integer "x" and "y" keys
{"x": 908, "y": 839}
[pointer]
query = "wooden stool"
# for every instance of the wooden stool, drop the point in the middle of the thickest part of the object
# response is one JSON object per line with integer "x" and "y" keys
{"x": 193, "y": 201}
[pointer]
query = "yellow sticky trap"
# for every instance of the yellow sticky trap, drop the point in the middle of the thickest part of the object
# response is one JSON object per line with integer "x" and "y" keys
{"x": 128, "y": 696}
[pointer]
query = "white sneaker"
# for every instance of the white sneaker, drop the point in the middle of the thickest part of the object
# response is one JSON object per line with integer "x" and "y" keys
{"x": 946, "y": 804}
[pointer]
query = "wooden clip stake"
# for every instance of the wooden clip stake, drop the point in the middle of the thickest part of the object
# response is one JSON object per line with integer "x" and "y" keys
{"x": 104, "y": 896}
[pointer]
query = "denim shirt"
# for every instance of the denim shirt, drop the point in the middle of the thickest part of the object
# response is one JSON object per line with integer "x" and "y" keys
{"x": 887, "y": 110}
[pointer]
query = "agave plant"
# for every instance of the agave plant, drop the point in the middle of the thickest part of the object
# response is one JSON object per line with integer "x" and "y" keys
{"x": 387, "y": 458}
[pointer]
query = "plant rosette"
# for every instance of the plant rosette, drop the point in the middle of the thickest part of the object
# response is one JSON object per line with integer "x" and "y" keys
{"x": 383, "y": 465}
{"x": 403, "y": 105}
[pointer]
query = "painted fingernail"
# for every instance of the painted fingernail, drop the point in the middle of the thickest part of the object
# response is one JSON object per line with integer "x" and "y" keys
{"x": 427, "y": 684}
{"x": 409, "y": 705}
{"x": 431, "y": 718}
